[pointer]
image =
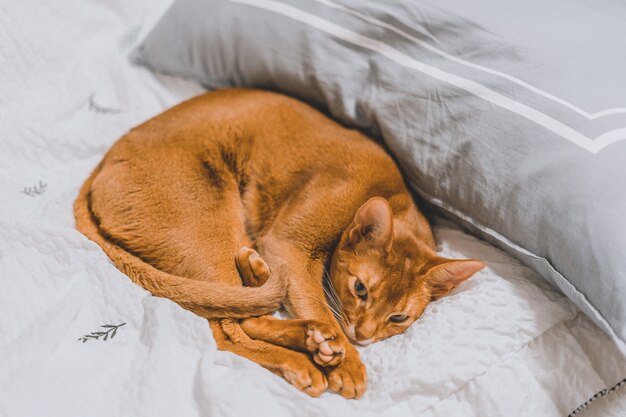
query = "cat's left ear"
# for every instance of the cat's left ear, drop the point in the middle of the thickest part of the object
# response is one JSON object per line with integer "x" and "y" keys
{"x": 373, "y": 224}
{"x": 449, "y": 273}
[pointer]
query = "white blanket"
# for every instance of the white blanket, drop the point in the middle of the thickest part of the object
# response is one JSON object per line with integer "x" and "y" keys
{"x": 505, "y": 343}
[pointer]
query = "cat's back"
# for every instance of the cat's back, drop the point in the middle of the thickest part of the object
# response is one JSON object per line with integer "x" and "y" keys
{"x": 258, "y": 114}
{"x": 273, "y": 134}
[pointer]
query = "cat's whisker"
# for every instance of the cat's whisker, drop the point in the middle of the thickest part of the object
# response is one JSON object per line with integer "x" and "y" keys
{"x": 339, "y": 307}
{"x": 329, "y": 286}
{"x": 332, "y": 305}
{"x": 340, "y": 317}
{"x": 333, "y": 298}
{"x": 332, "y": 289}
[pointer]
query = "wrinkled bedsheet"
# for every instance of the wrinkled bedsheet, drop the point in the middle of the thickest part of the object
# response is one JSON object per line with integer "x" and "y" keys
{"x": 505, "y": 343}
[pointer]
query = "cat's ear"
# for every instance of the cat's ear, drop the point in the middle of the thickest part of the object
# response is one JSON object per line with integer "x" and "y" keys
{"x": 373, "y": 224}
{"x": 449, "y": 273}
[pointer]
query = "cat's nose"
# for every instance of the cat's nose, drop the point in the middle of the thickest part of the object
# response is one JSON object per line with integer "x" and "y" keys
{"x": 365, "y": 331}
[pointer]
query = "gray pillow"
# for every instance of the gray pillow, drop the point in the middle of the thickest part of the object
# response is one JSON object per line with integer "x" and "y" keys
{"x": 508, "y": 116}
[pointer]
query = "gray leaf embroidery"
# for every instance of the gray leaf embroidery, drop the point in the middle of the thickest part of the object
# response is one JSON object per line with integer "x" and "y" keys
{"x": 35, "y": 190}
{"x": 108, "y": 334}
{"x": 97, "y": 108}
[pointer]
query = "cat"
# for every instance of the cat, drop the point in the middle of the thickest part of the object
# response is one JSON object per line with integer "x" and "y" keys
{"x": 238, "y": 201}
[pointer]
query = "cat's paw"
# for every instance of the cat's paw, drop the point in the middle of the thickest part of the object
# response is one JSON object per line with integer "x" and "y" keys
{"x": 324, "y": 343}
{"x": 349, "y": 378}
{"x": 252, "y": 268}
{"x": 305, "y": 376}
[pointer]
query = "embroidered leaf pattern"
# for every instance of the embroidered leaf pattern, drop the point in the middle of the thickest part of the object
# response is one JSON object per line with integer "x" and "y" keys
{"x": 35, "y": 190}
{"x": 97, "y": 108}
{"x": 108, "y": 334}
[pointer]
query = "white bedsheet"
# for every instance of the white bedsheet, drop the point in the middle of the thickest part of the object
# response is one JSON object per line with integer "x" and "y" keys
{"x": 504, "y": 344}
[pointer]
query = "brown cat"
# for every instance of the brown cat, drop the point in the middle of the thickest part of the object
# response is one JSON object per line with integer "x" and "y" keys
{"x": 178, "y": 201}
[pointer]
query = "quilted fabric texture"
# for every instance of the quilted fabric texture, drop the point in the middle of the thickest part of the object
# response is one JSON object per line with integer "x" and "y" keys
{"x": 505, "y": 343}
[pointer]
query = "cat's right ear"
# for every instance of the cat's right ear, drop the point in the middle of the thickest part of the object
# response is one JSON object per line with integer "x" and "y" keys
{"x": 373, "y": 224}
{"x": 448, "y": 273}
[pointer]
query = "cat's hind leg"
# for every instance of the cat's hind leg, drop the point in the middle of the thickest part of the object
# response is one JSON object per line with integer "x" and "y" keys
{"x": 294, "y": 366}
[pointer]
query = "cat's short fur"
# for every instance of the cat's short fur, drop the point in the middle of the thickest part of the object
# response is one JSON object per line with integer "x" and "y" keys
{"x": 178, "y": 201}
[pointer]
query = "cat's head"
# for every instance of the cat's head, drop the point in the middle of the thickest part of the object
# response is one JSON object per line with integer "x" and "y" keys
{"x": 384, "y": 277}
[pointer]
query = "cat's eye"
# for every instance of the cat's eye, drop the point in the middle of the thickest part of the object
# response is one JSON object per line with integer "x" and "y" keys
{"x": 398, "y": 318}
{"x": 360, "y": 290}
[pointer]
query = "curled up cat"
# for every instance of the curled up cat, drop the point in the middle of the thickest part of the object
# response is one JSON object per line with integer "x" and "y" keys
{"x": 238, "y": 202}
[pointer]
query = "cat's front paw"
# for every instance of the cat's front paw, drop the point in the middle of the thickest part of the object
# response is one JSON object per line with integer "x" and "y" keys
{"x": 252, "y": 268}
{"x": 349, "y": 378}
{"x": 324, "y": 343}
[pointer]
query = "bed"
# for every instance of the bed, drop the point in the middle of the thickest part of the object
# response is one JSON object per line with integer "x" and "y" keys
{"x": 77, "y": 337}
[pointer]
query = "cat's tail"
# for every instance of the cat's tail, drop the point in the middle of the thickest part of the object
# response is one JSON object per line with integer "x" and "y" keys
{"x": 207, "y": 299}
